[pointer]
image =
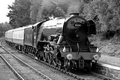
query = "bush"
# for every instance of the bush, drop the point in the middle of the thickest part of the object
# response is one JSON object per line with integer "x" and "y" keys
{"x": 109, "y": 34}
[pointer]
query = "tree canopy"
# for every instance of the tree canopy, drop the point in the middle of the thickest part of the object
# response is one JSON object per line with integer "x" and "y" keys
{"x": 105, "y": 13}
{"x": 19, "y": 13}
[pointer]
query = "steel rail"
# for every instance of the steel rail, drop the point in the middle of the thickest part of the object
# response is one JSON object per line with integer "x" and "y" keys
{"x": 13, "y": 69}
{"x": 35, "y": 70}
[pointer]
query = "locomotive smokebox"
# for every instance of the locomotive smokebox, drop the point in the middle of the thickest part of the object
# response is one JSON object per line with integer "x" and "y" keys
{"x": 75, "y": 29}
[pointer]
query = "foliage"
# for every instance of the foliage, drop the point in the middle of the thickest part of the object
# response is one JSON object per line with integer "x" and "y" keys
{"x": 4, "y": 27}
{"x": 105, "y": 13}
{"x": 35, "y": 10}
{"x": 19, "y": 13}
{"x": 49, "y": 9}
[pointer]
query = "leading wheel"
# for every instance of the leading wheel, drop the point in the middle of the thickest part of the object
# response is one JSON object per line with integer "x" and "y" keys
{"x": 67, "y": 65}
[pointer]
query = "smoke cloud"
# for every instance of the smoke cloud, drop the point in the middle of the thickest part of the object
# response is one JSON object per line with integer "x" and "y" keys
{"x": 69, "y": 6}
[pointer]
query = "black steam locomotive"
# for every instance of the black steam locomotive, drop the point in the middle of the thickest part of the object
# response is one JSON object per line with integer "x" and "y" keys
{"x": 62, "y": 42}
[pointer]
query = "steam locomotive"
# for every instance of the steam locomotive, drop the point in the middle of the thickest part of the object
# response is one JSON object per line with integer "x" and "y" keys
{"x": 62, "y": 42}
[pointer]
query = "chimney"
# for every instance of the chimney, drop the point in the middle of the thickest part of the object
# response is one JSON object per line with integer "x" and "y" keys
{"x": 73, "y": 14}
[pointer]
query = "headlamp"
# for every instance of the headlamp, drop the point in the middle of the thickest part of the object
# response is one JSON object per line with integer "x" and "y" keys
{"x": 69, "y": 56}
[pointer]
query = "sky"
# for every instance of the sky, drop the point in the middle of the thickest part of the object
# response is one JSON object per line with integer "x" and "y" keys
{"x": 4, "y": 10}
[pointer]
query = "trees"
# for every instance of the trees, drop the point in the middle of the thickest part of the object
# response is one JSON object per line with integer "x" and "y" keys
{"x": 50, "y": 8}
{"x": 19, "y": 13}
{"x": 105, "y": 13}
{"x": 4, "y": 27}
{"x": 35, "y": 10}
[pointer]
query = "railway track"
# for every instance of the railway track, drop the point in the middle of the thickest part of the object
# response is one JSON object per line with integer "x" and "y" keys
{"x": 26, "y": 72}
{"x": 13, "y": 69}
{"x": 93, "y": 76}
{"x": 54, "y": 74}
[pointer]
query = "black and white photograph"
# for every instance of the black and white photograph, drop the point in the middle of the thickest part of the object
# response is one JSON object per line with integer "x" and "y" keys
{"x": 60, "y": 40}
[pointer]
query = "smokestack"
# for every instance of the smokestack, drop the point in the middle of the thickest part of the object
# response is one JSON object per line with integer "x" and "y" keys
{"x": 74, "y": 14}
